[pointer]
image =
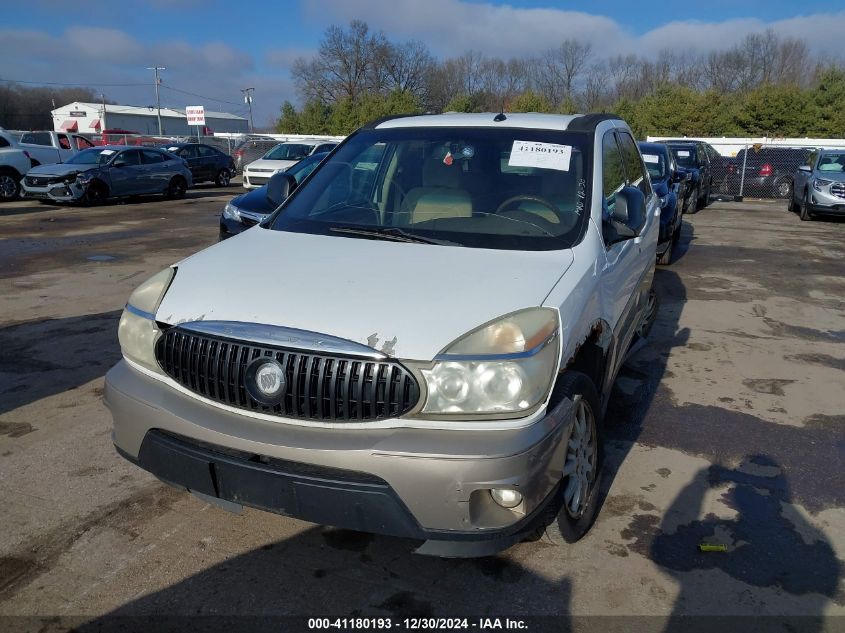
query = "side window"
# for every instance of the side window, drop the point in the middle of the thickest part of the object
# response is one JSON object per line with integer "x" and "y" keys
{"x": 130, "y": 157}
{"x": 82, "y": 142}
{"x": 206, "y": 152}
{"x": 36, "y": 138}
{"x": 3, "y": 142}
{"x": 150, "y": 157}
{"x": 612, "y": 169}
{"x": 637, "y": 175}
{"x": 64, "y": 143}
{"x": 188, "y": 152}
{"x": 324, "y": 148}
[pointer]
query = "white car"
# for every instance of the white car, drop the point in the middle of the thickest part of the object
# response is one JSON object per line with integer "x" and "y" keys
{"x": 425, "y": 342}
{"x": 14, "y": 163}
{"x": 257, "y": 173}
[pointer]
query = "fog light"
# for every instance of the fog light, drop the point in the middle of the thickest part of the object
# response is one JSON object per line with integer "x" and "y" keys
{"x": 506, "y": 498}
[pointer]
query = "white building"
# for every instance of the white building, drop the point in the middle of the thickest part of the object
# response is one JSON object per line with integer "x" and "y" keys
{"x": 89, "y": 118}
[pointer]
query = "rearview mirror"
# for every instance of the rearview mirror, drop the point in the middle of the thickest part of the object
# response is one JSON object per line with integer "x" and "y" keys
{"x": 279, "y": 187}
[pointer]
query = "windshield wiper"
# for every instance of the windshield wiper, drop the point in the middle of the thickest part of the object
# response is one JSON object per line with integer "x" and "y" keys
{"x": 391, "y": 234}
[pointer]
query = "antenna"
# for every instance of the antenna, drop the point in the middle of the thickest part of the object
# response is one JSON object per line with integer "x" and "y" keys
{"x": 501, "y": 116}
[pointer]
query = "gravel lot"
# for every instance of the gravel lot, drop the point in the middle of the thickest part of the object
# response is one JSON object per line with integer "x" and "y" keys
{"x": 728, "y": 426}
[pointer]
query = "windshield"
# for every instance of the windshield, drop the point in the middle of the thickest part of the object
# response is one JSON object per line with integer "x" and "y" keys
{"x": 656, "y": 165}
{"x": 288, "y": 152}
{"x": 834, "y": 163}
{"x": 95, "y": 156}
{"x": 476, "y": 187}
{"x": 685, "y": 156}
{"x": 304, "y": 167}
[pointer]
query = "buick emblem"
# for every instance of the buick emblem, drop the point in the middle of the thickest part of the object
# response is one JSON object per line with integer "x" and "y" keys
{"x": 265, "y": 380}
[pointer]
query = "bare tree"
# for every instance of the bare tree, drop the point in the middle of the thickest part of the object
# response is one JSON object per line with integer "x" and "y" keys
{"x": 345, "y": 65}
{"x": 406, "y": 66}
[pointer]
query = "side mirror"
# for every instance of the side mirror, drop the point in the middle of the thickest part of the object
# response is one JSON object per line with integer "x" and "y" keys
{"x": 806, "y": 168}
{"x": 629, "y": 209}
{"x": 279, "y": 187}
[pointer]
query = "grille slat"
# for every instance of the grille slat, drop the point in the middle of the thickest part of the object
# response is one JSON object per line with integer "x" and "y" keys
{"x": 319, "y": 386}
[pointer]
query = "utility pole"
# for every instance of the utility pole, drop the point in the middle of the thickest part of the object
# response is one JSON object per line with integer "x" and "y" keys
{"x": 103, "y": 117}
{"x": 248, "y": 100}
{"x": 158, "y": 102}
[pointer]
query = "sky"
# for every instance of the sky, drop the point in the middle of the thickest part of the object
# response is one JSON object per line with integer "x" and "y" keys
{"x": 213, "y": 48}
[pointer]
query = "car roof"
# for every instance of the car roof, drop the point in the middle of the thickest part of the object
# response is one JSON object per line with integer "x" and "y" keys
{"x": 653, "y": 147}
{"x": 525, "y": 120}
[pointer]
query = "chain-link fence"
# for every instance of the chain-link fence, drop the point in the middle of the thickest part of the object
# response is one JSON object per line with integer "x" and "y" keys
{"x": 756, "y": 170}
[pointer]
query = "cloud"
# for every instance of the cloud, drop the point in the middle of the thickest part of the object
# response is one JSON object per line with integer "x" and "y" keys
{"x": 451, "y": 27}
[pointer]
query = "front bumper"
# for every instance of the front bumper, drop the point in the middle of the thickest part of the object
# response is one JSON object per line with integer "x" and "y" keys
{"x": 410, "y": 482}
{"x": 58, "y": 192}
{"x": 826, "y": 203}
{"x": 255, "y": 180}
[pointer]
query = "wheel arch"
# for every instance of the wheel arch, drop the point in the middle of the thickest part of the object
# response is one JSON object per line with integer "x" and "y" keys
{"x": 590, "y": 356}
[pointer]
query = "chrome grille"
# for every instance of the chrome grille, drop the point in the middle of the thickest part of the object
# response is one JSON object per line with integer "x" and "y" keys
{"x": 838, "y": 189}
{"x": 318, "y": 386}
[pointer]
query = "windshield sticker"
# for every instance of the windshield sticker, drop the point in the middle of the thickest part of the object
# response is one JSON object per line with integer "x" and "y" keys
{"x": 172, "y": 149}
{"x": 447, "y": 159}
{"x": 107, "y": 151}
{"x": 683, "y": 152}
{"x": 541, "y": 155}
{"x": 468, "y": 151}
{"x": 651, "y": 158}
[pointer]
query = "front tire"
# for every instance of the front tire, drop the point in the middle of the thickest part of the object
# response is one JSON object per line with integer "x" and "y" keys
{"x": 572, "y": 513}
{"x": 792, "y": 206}
{"x": 96, "y": 194}
{"x": 783, "y": 189}
{"x": 666, "y": 258}
{"x": 10, "y": 185}
{"x": 696, "y": 200}
{"x": 806, "y": 216}
{"x": 223, "y": 178}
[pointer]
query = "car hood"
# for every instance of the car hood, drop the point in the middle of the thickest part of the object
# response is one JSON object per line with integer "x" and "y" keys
{"x": 408, "y": 300}
{"x": 58, "y": 169}
{"x": 835, "y": 176}
{"x": 263, "y": 163}
{"x": 255, "y": 201}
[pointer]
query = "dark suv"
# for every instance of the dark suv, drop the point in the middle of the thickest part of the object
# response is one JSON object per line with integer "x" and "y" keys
{"x": 768, "y": 171}
{"x": 697, "y": 158}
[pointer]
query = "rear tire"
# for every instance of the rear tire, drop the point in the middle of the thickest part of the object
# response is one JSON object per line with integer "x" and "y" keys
{"x": 177, "y": 188}
{"x": 782, "y": 189}
{"x": 10, "y": 185}
{"x": 223, "y": 178}
{"x": 666, "y": 258}
{"x": 695, "y": 200}
{"x": 573, "y": 510}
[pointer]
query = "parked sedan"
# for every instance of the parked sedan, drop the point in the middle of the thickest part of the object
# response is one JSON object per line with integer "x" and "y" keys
{"x": 94, "y": 175}
{"x": 250, "y": 208}
{"x": 205, "y": 162}
{"x": 670, "y": 183}
{"x": 284, "y": 155}
{"x": 819, "y": 185}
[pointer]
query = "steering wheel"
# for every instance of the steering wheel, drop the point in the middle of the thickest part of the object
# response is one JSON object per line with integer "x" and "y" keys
{"x": 532, "y": 198}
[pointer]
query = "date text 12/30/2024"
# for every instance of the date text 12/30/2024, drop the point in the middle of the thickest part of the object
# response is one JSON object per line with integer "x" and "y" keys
{"x": 416, "y": 624}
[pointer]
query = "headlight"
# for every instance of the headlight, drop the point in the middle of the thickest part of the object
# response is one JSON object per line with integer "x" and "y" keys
{"x": 138, "y": 331}
{"x": 819, "y": 183}
{"x": 232, "y": 212}
{"x": 504, "y": 367}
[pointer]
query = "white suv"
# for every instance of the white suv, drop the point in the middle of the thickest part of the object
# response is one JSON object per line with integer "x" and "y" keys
{"x": 258, "y": 172}
{"x": 424, "y": 343}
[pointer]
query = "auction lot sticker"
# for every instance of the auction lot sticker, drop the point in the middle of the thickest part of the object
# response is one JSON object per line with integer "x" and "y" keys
{"x": 542, "y": 155}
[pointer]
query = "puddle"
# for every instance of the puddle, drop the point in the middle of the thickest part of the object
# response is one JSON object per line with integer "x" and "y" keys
{"x": 100, "y": 258}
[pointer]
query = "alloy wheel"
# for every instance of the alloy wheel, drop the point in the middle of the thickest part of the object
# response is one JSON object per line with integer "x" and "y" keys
{"x": 8, "y": 187}
{"x": 581, "y": 458}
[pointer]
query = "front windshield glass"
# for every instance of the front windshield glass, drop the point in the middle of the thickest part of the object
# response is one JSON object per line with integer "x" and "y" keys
{"x": 95, "y": 156}
{"x": 685, "y": 156}
{"x": 288, "y": 152}
{"x": 656, "y": 165}
{"x": 478, "y": 187}
{"x": 832, "y": 163}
